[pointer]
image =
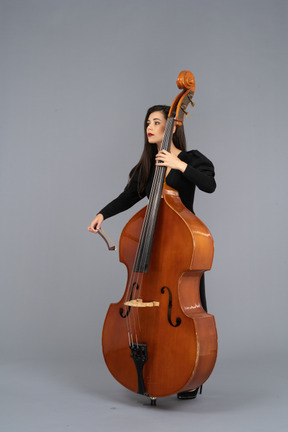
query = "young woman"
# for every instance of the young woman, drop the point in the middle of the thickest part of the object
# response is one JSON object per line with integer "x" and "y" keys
{"x": 185, "y": 171}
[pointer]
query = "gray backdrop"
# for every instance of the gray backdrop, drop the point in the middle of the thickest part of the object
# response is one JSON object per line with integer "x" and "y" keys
{"x": 76, "y": 80}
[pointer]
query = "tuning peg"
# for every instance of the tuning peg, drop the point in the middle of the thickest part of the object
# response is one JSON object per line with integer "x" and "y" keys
{"x": 183, "y": 109}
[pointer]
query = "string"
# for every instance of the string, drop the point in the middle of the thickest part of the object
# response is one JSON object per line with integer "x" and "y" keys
{"x": 155, "y": 197}
{"x": 142, "y": 257}
{"x": 154, "y": 200}
{"x": 147, "y": 231}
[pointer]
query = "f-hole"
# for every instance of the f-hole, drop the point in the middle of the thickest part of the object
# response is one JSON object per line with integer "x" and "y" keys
{"x": 178, "y": 319}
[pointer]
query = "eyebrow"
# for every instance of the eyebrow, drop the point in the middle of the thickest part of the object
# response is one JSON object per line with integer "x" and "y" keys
{"x": 156, "y": 118}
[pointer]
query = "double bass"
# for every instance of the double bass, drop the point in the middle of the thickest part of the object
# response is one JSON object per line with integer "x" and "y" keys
{"x": 158, "y": 340}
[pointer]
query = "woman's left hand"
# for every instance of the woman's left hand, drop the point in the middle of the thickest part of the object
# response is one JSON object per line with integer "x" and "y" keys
{"x": 170, "y": 160}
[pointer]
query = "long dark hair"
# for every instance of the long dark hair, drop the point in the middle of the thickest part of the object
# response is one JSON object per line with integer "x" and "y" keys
{"x": 150, "y": 150}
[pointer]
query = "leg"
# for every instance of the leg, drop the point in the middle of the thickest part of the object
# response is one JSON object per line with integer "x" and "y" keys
{"x": 202, "y": 293}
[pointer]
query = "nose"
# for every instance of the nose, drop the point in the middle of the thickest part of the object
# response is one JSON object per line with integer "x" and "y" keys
{"x": 149, "y": 128}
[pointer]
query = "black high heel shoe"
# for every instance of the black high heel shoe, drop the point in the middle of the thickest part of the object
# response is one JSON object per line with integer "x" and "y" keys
{"x": 189, "y": 394}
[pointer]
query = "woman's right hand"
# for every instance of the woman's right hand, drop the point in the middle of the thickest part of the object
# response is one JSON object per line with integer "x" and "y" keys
{"x": 96, "y": 223}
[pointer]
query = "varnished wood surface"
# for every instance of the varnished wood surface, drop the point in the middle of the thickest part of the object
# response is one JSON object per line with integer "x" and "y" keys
{"x": 186, "y": 81}
{"x": 180, "y": 357}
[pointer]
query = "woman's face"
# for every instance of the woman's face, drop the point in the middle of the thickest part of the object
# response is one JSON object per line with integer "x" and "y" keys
{"x": 156, "y": 124}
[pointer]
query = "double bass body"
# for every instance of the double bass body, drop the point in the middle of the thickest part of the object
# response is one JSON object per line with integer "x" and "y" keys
{"x": 180, "y": 337}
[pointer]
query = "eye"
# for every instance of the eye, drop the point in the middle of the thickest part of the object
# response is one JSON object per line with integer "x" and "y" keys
{"x": 157, "y": 123}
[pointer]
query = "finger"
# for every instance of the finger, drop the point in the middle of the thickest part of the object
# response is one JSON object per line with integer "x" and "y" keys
{"x": 91, "y": 229}
{"x": 160, "y": 163}
{"x": 161, "y": 152}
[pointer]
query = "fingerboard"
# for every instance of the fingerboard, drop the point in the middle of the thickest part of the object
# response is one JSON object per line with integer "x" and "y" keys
{"x": 144, "y": 250}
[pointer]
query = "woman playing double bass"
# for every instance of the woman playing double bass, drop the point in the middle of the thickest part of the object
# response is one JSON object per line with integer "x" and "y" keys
{"x": 185, "y": 171}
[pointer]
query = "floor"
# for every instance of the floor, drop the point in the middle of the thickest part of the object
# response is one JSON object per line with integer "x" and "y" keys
{"x": 241, "y": 395}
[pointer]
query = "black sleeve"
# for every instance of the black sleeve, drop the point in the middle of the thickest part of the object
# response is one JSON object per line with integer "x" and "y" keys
{"x": 199, "y": 171}
{"x": 124, "y": 201}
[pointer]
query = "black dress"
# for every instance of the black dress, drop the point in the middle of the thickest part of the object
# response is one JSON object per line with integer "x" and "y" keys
{"x": 199, "y": 172}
